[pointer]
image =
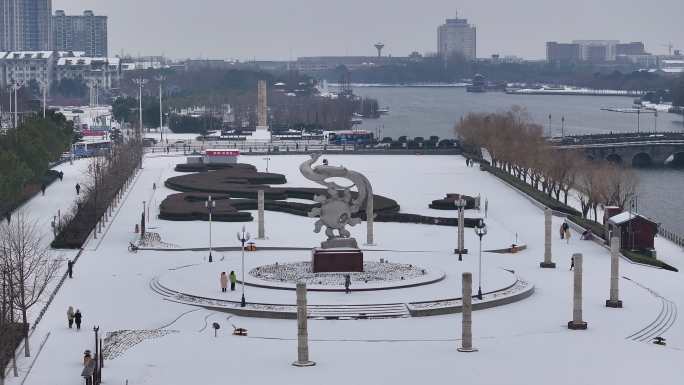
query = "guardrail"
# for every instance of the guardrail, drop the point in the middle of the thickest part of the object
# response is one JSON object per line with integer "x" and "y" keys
{"x": 677, "y": 239}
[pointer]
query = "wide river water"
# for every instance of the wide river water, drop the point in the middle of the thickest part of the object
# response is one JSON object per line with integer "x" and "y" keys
{"x": 425, "y": 111}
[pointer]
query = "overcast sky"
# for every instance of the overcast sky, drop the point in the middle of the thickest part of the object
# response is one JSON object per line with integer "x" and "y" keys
{"x": 280, "y": 29}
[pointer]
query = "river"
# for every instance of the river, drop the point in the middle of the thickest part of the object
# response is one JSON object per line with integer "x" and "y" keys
{"x": 426, "y": 111}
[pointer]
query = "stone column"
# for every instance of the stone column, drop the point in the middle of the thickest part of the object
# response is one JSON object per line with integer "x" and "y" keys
{"x": 577, "y": 323}
{"x": 614, "y": 300}
{"x": 260, "y": 202}
{"x": 461, "y": 230}
{"x": 302, "y": 331}
{"x": 467, "y": 311}
{"x": 370, "y": 214}
{"x": 547, "y": 241}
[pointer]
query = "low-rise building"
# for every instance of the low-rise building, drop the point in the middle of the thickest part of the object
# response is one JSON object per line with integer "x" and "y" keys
{"x": 102, "y": 72}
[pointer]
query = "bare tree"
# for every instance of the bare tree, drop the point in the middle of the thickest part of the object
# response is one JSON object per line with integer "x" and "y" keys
{"x": 620, "y": 185}
{"x": 30, "y": 265}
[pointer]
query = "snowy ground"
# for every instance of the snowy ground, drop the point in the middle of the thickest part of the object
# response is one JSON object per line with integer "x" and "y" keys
{"x": 522, "y": 343}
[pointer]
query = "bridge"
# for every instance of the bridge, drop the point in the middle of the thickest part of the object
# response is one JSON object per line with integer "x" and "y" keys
{"x": 634, "y": 149}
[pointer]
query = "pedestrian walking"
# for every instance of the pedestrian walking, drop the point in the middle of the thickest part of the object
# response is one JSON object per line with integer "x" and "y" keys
{"x": 70, "y": 316}
{"x": 43, "y": 187}
{"x": 78, "y": 189}
{"x": 224, "y": 282}
{"x": 562, "y": 230}
{"x": 61, "y": 176}
{"x": 78, "y": 317}
{"x": 565, "y": 229}
{"x": 233, "y": 280}
{"x": 572, "y": 263}
{"x": 567, "y": 235}
{"x": 154, "y": 186}
{"x": 70, "y": 268}
{"x": 347, "y": 283}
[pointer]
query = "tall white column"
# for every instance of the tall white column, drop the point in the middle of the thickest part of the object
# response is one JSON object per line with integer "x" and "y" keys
{"x": 467, "y": 320}
{"x": 548, "y": 263}
{"x": 614, "y": 300}
{"x": 260, "y": 203}
{"x": 370, "y": 216}
{"x": 302, "y": 330}
{"x": 577, "y": 323}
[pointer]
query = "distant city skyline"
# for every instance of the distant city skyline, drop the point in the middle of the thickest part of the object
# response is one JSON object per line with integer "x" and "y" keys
{"x": 276, "y": 30}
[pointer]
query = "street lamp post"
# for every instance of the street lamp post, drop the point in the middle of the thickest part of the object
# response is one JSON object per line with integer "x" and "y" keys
{"x": 460, "y": 204}
{"x": 243, "y": 236}
{"x": 481, "y": 231}
{"x": 210, "y": 204}
{"x": 140, "y": 82}
{"x": 16, "y": 86}
{"x": 550, "y": 133}
{"x": 268, "y": 160}
{"x": 161, "y": 80}
{"x": 44, "y": 85}
{"x": 562, "y": 126}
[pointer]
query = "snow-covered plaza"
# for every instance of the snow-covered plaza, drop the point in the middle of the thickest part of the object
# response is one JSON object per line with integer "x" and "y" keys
{"x": 161, "y": 304}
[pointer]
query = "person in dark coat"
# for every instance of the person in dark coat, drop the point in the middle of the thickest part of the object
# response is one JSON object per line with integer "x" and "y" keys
{"x": 233, "y": 280}
{"x": 78, "y": 317}
{"x": 43, "y": 187}
{"x": 70, "y": 316}
{"x": 61, "y": 176}
{"x": 347, "y": 283}
{"x": 70, "y": 268}
{"x": 572, "y": 263}
{"x": 78, "y": 189}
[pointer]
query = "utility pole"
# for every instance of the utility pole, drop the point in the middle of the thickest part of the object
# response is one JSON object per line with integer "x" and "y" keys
{"x": 16, "y": 86}
{"x": 161, "y": 80}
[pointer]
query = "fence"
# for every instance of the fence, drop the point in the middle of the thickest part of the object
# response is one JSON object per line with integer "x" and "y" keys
{"x": 671, "y": 235}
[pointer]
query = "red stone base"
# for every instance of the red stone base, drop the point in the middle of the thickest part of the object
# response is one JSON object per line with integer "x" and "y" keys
{"x": 337, "y": 260}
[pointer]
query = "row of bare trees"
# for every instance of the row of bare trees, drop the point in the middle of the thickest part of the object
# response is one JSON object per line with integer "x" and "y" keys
{"x": 27, "y": 267}
{"x": 516, "y": 146}
{"x": 107, "y": 174}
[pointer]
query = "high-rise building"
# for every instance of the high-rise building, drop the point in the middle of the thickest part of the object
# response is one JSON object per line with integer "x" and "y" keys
{"x": 562, "y": 52}
{"x": 25, "y": 25}
{"x": 87, "y": 33}
{"x": 457, "y": 36}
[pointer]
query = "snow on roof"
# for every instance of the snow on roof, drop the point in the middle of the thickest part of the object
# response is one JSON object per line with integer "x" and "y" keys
{"x": 18, "y": 55}
{"x": 87, "y": 60}
{"x": 627, "y": 216}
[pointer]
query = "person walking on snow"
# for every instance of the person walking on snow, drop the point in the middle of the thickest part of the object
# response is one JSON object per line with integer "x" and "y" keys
{"x": 78, "y": 189}
{"x": 566, "y": 228}
{"x": 70, "y": 316}
{"x": 562, "y": 230}
{"x": 572, "y": 263}
{"x": 42, "y": 188}
{"x": 70, "y": 268}
{"x": 224, "y": 282}
{"x": 78, "y": 317}
{"x": 347, "y": 283}
{"x": 233, "y": 280}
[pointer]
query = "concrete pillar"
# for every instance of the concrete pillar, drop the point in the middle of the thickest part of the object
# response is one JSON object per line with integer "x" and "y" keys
{"x": 260, "y": 199}
{"x": 461, "y": 230}
{"x": 614, "y": 300}
{"x": 370, "y": 216}
{"x": 548, "y": 263}
{"x": 577, "y": 323}
{"x": 302, "y": 331}
{"x": 467, "y": 311}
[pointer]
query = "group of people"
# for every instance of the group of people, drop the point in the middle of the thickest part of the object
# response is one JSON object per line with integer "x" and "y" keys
{"x": 565, "y": 232}
{"x": 470, "y": 162}
{"x": 74, "y": 317}
{"x": 232, "y": 278}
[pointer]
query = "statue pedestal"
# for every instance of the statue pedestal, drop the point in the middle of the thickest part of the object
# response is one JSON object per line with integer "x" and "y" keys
{"x": 338, "y": 260}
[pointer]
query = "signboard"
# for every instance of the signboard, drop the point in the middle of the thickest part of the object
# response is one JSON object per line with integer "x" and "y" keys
{"x": 93, "y": 133}
{"x": 222, "y": 152}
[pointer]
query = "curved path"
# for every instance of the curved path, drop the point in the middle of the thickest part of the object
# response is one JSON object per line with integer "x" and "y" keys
{"x": 661, "y": 324}
{"x": 519, "y": 290}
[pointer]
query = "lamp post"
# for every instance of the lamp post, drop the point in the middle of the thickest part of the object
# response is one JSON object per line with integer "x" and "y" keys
{"x": 562, "y": 126}
{"x": 140, "y": 82}
{"x": 210, "y": 204}
{"x": 550, "y": 133}
{"x": 655, "y": 120}
{"x": 243, "y": 236}
{"x": 460, "y": 204}
{"x": 161, "y": 80}
{"x": 15, "y": 87}
{"x": 96, "y": 356}
{"x": 44, "y": 85}
{"x": 268, "y": 160}
{"x": 481, "y": 231}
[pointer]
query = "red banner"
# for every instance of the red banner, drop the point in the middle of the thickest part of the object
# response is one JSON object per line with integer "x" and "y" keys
{"x": 222, "y": 153}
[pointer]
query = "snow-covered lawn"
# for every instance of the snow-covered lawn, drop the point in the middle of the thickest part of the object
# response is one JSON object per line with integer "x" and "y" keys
{"x": 526, "y": 342}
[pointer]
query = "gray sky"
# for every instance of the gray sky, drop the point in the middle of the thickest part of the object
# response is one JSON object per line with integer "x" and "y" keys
{"x": 280, "y": 29}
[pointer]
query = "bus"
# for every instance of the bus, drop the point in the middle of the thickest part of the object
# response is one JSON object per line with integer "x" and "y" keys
{"x": 88, "y": 148}
{"x": 359, "y": 137}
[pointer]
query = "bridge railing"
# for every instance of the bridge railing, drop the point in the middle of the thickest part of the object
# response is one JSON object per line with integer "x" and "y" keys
{"x": 677, "y": 239}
